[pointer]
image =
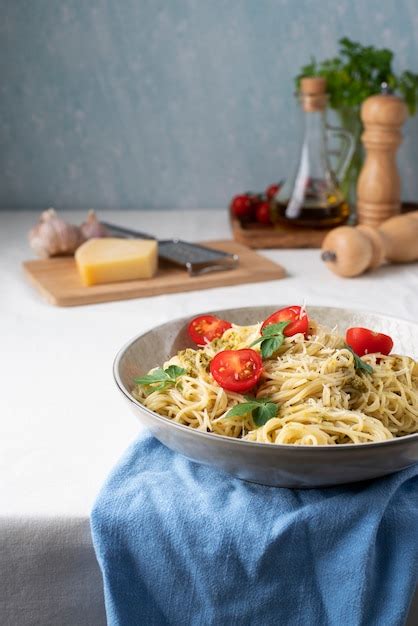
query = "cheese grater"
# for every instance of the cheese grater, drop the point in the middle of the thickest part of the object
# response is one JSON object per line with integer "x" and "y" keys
{"x": 195, "y": 258}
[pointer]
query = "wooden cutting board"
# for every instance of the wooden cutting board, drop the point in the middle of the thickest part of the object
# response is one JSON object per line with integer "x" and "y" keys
{"x": 259, "y": 236}
{"x": 59, "y": 282}
{"x": 278, "y": 236}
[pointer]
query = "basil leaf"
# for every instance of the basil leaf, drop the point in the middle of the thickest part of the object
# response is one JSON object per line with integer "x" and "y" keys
{"x": 263, "y": 413}
{"x": 271, "y": 345}
{"x": 271, "y": 338}
{"x": 242, "y": 409}
{"x": 359, "y": 364}
{"x": 261, "y": 409}
{"x": 274, "y": 329}
{"x": 156, "y": 376}
{"x": 166, "y": 377}
{"x": 159, "y": 387}
{"x": 174, "y": 371}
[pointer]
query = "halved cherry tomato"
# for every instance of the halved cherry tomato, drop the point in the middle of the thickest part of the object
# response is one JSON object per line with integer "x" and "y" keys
{"x": 297, "y": 317}
{"x": 237, "y": 370}
{"x": 364, "y": 341}
{"x": 206, "y": 328}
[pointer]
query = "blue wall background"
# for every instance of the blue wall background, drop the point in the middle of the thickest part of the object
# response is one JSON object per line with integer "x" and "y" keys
{"x": 182, "y": 103}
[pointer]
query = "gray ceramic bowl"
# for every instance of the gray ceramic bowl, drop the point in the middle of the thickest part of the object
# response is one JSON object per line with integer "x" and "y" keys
{"x": 276, "y": 465}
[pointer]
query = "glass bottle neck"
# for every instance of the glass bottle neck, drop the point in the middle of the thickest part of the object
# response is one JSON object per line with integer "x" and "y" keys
{"x": 314, "y": 131}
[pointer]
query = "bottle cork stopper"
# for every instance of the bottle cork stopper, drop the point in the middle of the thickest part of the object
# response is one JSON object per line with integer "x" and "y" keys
{"x": 313, "y": 85}
{"x": 313, "y": 93}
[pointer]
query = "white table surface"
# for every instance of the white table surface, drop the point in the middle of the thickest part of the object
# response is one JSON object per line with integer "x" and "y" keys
{"x": 63, "y": 423}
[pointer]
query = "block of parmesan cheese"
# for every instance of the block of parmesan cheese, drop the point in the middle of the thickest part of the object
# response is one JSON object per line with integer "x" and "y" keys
{"x": 109, "y": 259}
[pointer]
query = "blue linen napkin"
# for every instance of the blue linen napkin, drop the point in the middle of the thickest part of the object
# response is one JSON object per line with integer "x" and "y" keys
{"x": 183, "y": 544}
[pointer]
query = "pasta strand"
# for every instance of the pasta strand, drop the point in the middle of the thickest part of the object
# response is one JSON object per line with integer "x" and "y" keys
{"x": 322, "y": 398}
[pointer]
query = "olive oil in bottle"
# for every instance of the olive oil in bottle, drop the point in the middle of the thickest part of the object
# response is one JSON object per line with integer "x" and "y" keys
{"x": 313, "y": 197}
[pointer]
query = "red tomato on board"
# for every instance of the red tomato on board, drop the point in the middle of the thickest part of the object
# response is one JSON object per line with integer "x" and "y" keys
{"x": 262, "y": 213}
{"x": 298, "y": 318}
{"x": 272, "y": 190}
{"x": 364, "y": 341}
{"x": 205, "y": 328}
{"x": 242, "y": 206}
{"x": 237, "y": 370}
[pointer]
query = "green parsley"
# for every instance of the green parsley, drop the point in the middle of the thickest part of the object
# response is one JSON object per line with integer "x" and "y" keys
{"x": 271, "y": 338}
{"x": 358, "y": 72}
{"x": 261, "y": 409}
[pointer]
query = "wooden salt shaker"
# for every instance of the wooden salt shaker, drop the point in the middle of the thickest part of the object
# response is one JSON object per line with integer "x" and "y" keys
{"x": 378, "y": 187}
{"x": 349, "y": 251}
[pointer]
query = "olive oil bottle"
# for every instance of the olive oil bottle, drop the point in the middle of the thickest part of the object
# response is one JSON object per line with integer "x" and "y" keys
{"x": 313, "y": 196}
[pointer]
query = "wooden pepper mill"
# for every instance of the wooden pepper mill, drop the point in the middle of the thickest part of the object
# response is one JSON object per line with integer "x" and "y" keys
{"x": 350, "y": 251}
{"x": 378, "y": 186}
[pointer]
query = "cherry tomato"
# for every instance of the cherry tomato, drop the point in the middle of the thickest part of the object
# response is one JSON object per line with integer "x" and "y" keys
{"x": 298, "y": 318}
{"x": 365, "y": 341}
{"x": 236, "y": 370}
{"x": 272, "y": 190}
{"x": 262, "y": 213}
{"x": 242, "y": 206}
{"x": 206, "y": 328}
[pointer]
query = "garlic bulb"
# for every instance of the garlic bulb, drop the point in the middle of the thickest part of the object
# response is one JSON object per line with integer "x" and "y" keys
{"x": 52, "y": 236}
{"x": 92, "y": 228}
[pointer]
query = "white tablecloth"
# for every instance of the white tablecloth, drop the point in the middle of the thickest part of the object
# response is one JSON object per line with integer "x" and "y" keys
{"x": 63, "y": 423}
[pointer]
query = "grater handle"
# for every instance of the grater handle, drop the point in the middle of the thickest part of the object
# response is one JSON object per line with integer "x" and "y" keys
{"x": 126, "y": 232}
{"x": 230, "y": 262}
{"x": 197, "y": 267}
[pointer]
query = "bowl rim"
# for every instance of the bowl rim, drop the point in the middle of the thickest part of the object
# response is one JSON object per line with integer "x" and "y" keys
{"x": 213, "y": 437}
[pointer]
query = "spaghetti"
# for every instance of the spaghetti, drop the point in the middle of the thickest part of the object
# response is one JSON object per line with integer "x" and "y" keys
{"x": 322, "y": 398}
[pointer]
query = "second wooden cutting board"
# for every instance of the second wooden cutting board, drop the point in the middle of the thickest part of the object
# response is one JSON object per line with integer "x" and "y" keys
{"x": 59, "y": 282}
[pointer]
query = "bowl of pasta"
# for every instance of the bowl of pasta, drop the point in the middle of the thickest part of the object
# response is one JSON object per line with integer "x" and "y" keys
{"x": 280, "y": 395}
